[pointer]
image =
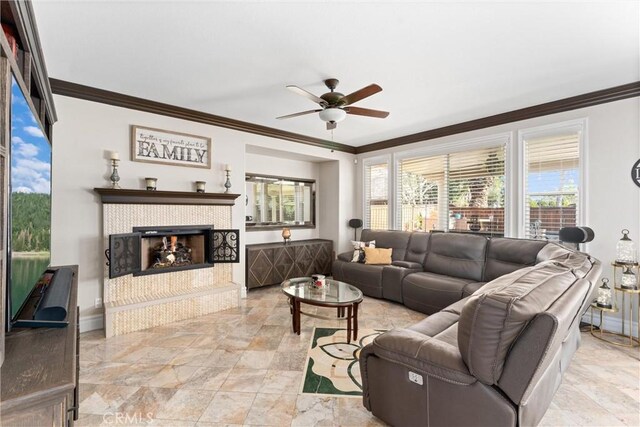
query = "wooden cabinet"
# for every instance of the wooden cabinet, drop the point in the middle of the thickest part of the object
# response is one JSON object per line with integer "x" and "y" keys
{"x": 40, "y": 373}
{"x": 271, "y": 263}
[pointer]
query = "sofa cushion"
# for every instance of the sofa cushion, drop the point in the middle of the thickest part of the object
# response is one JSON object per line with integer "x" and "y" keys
{"x": 429, "y": 292}
{"x": 435, "y": 324}
{"x": 392, "y": 276}
{"x": 492, "y": 318}
{"x": 505, "y": 255}
{"x": 418, "y": 246}
{"x": 428, "y": 355}
{"x": 456, "y": 255}
{"x": 367, "y": 278}
{"x": 397, "y": 240}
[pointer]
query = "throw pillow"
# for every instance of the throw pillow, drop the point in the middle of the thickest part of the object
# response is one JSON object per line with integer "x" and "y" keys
{"x": 380, "y": 256}
{"x": 358, "y": 253}
{"x": 359, "y": 245}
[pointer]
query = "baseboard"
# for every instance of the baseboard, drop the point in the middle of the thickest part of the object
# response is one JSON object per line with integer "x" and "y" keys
{"x": 613, "y": 324}
{"x": 91, "y": 323}
{"x": 243, "y": 292}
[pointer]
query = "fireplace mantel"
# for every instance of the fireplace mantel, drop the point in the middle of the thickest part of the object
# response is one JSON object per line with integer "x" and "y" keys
{"x": 145, "y": 197}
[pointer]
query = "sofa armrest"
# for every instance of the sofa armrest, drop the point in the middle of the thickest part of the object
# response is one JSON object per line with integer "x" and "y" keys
{"x": 408, "y": 264}
{"x": 425, "y": 354}
{"x": 346, "y": 256}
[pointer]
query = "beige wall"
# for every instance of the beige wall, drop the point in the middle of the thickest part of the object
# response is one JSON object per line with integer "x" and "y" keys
{"x": 85, "y": 134}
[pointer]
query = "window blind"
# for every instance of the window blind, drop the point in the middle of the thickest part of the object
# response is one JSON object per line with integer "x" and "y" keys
{"x": 420, "y": 186}
{"x": 552, "y": 182}
{"x": 448, "y": 192}
{"x": 476, "y": 190}
{"x": 376, "y": 190}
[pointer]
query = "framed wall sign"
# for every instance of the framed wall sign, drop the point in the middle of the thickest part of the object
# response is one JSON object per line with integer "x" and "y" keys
{"x": 170, "y": 148}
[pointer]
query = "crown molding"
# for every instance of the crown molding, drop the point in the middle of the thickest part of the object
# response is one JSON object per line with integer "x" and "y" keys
{"x": 590, "y": 99}
{"x": 617, "y": 93}
{"x": 88, "y": 93}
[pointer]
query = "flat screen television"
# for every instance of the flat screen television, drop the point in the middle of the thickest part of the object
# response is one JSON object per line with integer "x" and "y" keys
{"x": 29, "y": 219}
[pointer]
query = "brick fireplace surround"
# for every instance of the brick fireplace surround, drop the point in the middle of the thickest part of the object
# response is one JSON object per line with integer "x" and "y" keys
{"x": 133, "y": 303}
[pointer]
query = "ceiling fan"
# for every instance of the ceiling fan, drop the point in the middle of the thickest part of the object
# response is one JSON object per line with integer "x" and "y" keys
{"x": 335, "y": 105}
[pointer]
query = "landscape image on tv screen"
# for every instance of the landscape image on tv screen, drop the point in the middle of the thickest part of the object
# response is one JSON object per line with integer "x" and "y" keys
{"x": 30, "y": 200}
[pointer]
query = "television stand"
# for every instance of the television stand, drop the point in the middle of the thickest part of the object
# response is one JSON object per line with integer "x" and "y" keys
{"x": 40, "y": 372}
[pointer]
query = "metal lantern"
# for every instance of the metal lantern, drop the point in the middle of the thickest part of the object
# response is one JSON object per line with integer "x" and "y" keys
{"x": 629, "y": 279}
{"x": 604, "y": 295}
{"x": 625, "y": 250}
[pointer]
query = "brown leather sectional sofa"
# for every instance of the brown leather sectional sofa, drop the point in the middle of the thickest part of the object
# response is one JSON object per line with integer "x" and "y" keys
{"x": 504, "y": 326}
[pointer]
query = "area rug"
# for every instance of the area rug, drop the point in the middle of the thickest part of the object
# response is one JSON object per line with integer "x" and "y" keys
{"x": 332, "y": 366}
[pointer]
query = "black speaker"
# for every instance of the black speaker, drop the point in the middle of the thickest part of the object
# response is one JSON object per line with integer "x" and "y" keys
{"x": 576, "y": 234}
{"x": 355, "y": 223}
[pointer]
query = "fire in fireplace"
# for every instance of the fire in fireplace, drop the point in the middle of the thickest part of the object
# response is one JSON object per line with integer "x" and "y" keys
{"x": 153, "y": 250}
{"x": 174, "y": 247}
{"x": 173, "y": 254}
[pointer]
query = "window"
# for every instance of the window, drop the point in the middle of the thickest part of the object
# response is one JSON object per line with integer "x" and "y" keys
{"x": 462, "y": 191}
{"x": 376, "y": 195}
{"x": 552, "y": 183}
{"x": 277, "y": 201}
{"x": 421, "y": 186}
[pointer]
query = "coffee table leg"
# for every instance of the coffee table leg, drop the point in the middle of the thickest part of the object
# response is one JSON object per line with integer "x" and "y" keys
{"x": 349, "y": 315}
{"x": 292, "y": 306}
{"x": 355, "y": 321}
{"x": 297, "y": 316}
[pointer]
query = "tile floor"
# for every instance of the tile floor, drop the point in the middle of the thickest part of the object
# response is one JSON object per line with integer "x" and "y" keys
{"x": 244, "y": 366}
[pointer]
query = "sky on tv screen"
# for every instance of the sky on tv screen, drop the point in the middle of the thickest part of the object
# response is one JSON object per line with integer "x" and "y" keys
{"x": 30, "y": 150}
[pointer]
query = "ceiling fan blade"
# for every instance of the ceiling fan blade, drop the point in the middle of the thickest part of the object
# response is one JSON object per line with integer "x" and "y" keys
{"x": 360, "y": 94}
{"x": 366, "y": 112}
{"x": 302, "y": 113}
{"x": 331, "y": 125}
{"x": 307, "y": 94}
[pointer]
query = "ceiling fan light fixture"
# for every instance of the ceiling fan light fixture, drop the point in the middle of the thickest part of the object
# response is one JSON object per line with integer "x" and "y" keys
{"x": 333, "y": 115}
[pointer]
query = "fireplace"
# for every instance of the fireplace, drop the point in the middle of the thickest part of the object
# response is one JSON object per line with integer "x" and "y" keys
{"x": 134, "y": 302}
{"x": 165, "y": 249}
{"x": 173, "y": 248}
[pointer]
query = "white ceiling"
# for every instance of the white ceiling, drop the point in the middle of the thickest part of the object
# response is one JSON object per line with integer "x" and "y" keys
{"x": 438, "y": 63}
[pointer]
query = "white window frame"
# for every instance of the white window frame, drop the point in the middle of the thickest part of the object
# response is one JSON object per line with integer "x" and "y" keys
{"x": 580, "y": 126}
{"x": 387, "y": 158}
{"x": 493, "y": 140}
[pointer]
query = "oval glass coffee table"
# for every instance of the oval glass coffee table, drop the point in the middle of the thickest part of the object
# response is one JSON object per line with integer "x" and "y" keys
{"x": 332, "y": 294}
